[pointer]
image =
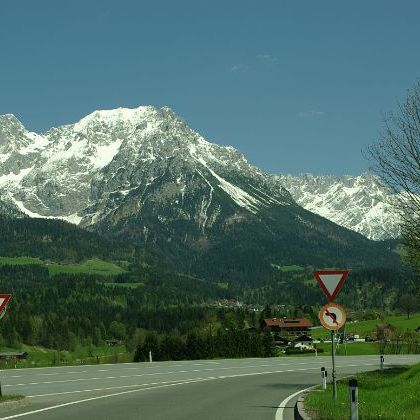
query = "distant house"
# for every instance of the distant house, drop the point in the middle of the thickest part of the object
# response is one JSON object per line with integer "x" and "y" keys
{"x": 303, "y": 341}
{"x": 287, "y": 326}
{"x": 14, "y": 356}
{"x": 112, "y": 342}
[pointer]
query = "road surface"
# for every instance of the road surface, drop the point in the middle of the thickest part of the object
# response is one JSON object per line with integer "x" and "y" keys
{"x": 210, "y": 389}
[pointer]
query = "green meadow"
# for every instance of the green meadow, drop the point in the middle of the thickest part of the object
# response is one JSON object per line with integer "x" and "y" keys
{"x": 94, "y": 266}
{"x": 41, "y": 357}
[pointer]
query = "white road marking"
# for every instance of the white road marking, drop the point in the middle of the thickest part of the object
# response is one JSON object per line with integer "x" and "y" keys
{"x": 282, "y": 406}
{"x": 110, "y": 388}
{"x": 28, "y": 413}
{"x": 167, "y": 373}
{"x": 181, "y": 380}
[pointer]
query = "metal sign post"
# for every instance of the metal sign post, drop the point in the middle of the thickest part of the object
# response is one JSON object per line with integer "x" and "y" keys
{"x": 334, "y": 380}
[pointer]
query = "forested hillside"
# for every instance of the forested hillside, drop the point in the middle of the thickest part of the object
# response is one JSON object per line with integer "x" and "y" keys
{"x": 56, "y": 240}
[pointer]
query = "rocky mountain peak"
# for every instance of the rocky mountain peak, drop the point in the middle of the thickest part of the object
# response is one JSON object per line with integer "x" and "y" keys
{"x": 11, "y": 129}
{"x": 360, "y": 203}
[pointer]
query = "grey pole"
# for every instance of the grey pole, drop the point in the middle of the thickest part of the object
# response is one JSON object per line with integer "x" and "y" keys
{"x": 324, "y": 378}
{"x": 150, "y": 357}
{"x": 354, "y": 400}
{"x": 382, "y": 361}
{"x": 334, "y": 381}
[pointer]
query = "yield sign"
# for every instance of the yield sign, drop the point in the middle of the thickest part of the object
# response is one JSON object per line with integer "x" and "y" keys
{"x": 4, "y": 300}
{"x": 331, "y": 281}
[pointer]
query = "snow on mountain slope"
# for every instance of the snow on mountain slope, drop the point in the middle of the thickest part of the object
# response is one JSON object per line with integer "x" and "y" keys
{"x": 83, "y": 172}
{"x": 116, "y": 164}
{"x": 359, "y": 203}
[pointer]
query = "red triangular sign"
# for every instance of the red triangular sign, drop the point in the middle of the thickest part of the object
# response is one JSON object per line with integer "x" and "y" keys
{"x": 331, "y": 281}
{"x": 4, "y": 300}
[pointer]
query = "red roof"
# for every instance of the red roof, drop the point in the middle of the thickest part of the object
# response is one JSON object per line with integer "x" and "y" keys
{"x": 288, "y": 323}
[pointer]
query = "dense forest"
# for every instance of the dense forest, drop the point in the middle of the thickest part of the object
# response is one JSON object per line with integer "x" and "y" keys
{"x": 150, "y": 302}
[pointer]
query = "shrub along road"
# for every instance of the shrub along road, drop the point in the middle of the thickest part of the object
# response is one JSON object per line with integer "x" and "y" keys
{"x": 222, "y": 389}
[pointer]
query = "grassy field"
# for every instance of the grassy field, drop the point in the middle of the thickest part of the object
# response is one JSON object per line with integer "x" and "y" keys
{"x": 20, "y": 261}
{"x": 364, "y": 327}
{"x": 388, "y": 394}
{"x": 350, "y": 349}
{"x": 41, "y": 357}
{"x": 93, "y": 266}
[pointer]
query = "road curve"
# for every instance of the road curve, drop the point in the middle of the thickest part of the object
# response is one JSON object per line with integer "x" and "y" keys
{"x": 210, "y": 389}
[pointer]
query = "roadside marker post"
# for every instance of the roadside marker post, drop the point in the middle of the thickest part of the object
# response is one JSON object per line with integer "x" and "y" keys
{"x": 324, "y": 378}
{"x": 382, "y": 361}
{"x": 332, "y": 316}
{"x": 354, "y": 399}
{"x": 150, "y": 357}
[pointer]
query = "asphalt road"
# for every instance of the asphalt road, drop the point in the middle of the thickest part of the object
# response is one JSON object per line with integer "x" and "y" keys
{"x": 211, "y": 389}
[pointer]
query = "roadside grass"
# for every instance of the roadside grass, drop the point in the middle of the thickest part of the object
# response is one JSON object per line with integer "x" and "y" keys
{"x": 5, "y": 398}
{"x": 42, "y": 357}
{"x": 349, "y": 349}
{"x": 94, "y": 266}
{"x": 365, "y": 327}
{"x": 388, "y": 394}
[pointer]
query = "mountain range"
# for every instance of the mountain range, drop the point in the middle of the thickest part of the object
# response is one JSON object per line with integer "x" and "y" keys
{"x": 360, "y": 203}
{"x": 144, "y": 176}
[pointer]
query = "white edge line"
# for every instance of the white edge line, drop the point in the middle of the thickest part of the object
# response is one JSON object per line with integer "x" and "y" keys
{"x": 282, "y": 405}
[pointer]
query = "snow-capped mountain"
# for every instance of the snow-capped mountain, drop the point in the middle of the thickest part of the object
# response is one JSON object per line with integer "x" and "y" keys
{"x": 82, "y": 172}
{"x": 360, "y": 203}
{"x": 142, "y": 175}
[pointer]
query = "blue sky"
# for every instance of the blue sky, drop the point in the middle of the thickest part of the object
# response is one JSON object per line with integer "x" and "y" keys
{"x": 297, "y": 86}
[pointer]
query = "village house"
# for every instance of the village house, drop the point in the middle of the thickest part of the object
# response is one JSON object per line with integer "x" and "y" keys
{"x": 288, "y": 326}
